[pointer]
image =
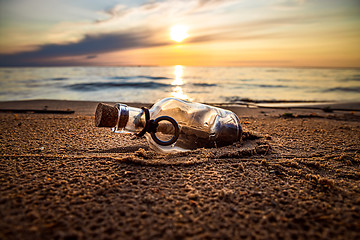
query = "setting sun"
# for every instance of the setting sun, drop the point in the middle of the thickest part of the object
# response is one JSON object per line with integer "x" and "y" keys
{"x": 178, "y": 33}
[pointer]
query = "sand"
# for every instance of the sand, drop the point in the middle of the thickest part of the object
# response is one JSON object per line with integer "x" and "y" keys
{"x": 295, "y": 175}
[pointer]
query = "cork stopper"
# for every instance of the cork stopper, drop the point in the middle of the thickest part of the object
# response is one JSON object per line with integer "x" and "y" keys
{"x": 106, "y": 116}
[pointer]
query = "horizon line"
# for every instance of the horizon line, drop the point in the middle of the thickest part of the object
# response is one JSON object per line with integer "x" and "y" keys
{"x": 145, "y": 65}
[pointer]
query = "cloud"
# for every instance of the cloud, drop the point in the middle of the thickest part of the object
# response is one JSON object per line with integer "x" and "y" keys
{"x": 267, "y": 28}
{"x": 93, "y": 45}
{"x": 147, "y": 25}
{"x": 90, "y": 45}
{"x": 289, "y": 4}
{"x": 171, "y": 9}
{"x": 228, "y": 36}
{"x": 202, "y": 3}
{"x": 117, "y": 11}
{"x": 91, "y": 56}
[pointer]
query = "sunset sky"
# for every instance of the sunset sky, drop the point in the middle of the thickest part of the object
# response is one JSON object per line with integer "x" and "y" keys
{"x": 315, "y": 33}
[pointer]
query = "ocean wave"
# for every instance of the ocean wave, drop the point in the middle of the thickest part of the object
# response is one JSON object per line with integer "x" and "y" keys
{"x": 263, "y": 86}
{"x": 236, "y": 99}
{"x": 198, "y": 83}
{"x": 343, "y": 89}
{"x": 272, "y": 70}
{"x": 204, "y": 84}
{"x": 246, "y": 80}
{"x": 284, "y": 80}
{"x": 138, "y": 77}
{"x": 355, "y": 78}
{"x": 59, "y": 79}
{"x": 101, "y": 85}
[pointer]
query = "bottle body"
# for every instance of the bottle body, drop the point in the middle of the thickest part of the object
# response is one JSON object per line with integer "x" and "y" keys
{"x": 199, "y": 125}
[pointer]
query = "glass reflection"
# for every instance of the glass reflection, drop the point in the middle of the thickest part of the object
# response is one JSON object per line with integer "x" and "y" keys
{"x": 177, "y": 91}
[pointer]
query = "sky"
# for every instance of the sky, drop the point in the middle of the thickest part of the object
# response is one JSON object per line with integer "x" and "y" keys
{"x": 276, "y": 33}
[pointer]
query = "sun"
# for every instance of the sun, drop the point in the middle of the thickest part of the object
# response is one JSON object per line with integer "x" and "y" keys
{"x": 178, "y": 33}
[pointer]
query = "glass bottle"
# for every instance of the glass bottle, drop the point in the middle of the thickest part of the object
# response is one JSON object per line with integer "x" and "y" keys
{"x": 173, "y": 124}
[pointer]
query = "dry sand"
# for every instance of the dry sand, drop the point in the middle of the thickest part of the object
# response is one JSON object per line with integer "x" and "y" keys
{"x": 295, "y": 175}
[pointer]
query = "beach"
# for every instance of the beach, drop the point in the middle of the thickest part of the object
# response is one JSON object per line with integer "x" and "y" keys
{"x": 294, "y": 175}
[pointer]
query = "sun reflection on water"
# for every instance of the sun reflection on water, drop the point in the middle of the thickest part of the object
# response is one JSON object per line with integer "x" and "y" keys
{"x": 178, "y": 72}
{"x": 177, "y": 91}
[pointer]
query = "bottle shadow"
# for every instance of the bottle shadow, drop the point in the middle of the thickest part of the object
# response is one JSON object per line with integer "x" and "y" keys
{"x": 127, "y": 149}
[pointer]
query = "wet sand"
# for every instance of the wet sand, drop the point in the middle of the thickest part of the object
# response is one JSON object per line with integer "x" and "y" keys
{"x": 294, "y": 175}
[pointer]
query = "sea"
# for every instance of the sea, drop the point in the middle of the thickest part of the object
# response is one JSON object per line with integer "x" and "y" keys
{"x": 200, "y": 84}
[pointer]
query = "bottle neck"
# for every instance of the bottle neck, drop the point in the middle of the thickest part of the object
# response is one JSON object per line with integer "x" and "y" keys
{"x": 130, "y": 119}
